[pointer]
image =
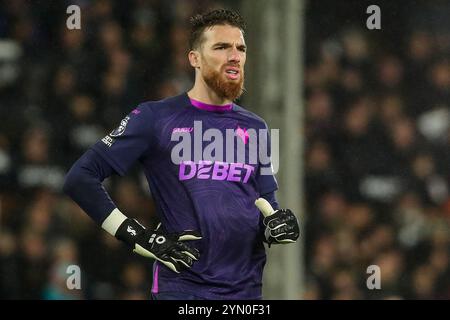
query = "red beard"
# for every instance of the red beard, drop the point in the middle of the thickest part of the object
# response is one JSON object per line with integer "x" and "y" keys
{"x": 224, "y": 88}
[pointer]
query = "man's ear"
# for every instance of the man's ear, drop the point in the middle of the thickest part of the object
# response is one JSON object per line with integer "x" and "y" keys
{"x": 194, "y": 58}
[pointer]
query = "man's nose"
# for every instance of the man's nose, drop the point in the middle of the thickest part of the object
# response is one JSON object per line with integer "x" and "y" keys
{"x": 234, "y": 55}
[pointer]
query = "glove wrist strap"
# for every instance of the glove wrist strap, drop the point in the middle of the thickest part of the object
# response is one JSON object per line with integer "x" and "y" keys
{"x": 129, "y": 232}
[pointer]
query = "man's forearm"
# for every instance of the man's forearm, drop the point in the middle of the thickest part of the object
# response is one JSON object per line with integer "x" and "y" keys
{"x": 84, "y": 185}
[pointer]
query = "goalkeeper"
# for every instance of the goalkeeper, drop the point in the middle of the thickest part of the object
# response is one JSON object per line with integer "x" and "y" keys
{"x": 210, "y": 243}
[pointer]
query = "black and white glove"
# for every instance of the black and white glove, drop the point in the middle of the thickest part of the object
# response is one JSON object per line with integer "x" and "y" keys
{"x": 281, "y": 227}
{"x": 169, "y": 249}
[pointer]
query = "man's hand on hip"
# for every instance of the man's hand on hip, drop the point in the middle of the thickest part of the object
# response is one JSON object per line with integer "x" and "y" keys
{"x": 167, "y": 248}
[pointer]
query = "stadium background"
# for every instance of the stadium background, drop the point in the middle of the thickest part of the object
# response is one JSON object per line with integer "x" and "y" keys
{"x": 372, "y": 129}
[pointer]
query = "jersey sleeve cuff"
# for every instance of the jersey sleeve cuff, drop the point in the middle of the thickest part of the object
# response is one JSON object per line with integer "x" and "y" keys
{"x": 113, "y": 221}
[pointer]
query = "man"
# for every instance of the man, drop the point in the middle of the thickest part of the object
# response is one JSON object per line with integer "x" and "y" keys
{"x": 209, "y": 203}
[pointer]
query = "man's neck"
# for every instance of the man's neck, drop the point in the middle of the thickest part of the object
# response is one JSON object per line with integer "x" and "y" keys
{"x": 208, "y": 96}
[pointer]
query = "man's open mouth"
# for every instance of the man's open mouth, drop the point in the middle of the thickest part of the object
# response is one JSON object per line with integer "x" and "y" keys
{"x": 232, "y": 73}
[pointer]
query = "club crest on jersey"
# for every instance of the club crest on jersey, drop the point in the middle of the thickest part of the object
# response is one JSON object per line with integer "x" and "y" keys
{"x": 243, "y": 134}
{"x": 121, "y": 128}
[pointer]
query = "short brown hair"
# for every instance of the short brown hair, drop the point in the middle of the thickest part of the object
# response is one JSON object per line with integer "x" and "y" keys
{"x": 200, "y": 22}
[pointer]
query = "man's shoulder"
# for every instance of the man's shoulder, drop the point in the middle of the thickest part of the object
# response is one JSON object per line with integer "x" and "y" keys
{"x": 167, "y": 104}
{"x": 249, "y": 114}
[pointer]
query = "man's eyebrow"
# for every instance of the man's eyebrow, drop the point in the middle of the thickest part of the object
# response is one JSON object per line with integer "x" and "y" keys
{"x": 227, "y": 44}
{"x": 222, "y": 44}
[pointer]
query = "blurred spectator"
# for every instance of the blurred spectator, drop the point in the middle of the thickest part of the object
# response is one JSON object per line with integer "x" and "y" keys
{"x": 33, "y": 264}
{"x": 6, "y": 165}
{"x": 64, "y": 255}
{"x": 37, "y": 167}
{"x": 9, "y": 265}
{"x": 133, "y": 282}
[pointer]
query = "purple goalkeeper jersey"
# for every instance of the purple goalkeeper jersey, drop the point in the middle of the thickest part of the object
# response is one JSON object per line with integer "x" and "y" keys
{"x": 215, "y": 198}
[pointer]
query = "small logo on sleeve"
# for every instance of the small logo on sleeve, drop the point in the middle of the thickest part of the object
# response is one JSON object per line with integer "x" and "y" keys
{"x": 108, "y": 141}
{"x": 121, "y": 128}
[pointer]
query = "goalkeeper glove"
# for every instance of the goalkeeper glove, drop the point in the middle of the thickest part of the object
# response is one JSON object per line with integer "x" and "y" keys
{"x": 166, "y": 248}
{"x": 281, "y": 227}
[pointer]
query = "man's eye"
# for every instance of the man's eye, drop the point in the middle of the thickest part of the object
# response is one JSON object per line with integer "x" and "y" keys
{"x": 220, "y": 48}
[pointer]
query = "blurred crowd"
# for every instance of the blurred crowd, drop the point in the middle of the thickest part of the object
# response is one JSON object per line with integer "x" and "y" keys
{"x": 61, "y": 90}
{"x": 377, "y": 155}
{"x": 378, "y": 158}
